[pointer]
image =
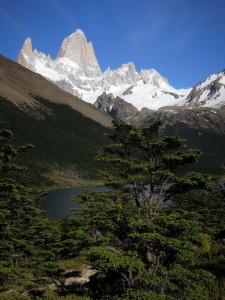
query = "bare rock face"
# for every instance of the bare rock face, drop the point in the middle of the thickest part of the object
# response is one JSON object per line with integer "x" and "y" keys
{"x": 115, "y": 107}
{"x": 153, "y": 77}
{"x": 141, "y": 117}
{"x": 75, "y": 54}
{"x": 76, "y": 48}
{"x": 194, "y": 117}
{"x": 124, "y": 75}
{"x": 31, "y": 59}
{"x": 25, "y": 53}
{"x": 209, "y": 93}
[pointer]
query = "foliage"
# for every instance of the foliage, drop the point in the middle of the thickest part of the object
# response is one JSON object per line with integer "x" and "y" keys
{"x": 212, "y": 145}
{"x": 64, "y": 139}
{"x": 155, "y": 232}
{"x": 144, "y": 248}
{"x": 210, "y": 206}
{"x": 27, "y": 240}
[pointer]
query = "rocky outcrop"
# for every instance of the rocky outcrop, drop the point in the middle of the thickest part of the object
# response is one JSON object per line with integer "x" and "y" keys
{"x": 26, "y": 49}
{"x": 64, "y": 280}
{"x": 153, "y": 77}
{"x": 25, "y": 54}
{"x": 209, "y": 93}
{"x": 115, "y": 107}
{"x": 194, "y": 117}
{"x": 76, "y": 48}
{"x": 125, "y": 75}
{"x": 71, "y": 277}
{"x": 141, "y": 116}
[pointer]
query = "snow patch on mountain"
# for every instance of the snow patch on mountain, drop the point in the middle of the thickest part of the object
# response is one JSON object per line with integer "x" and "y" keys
{"x": 154, "y": 97}
{"x": 210, "y": 93}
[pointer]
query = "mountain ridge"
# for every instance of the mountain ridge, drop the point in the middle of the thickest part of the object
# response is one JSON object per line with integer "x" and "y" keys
{"x": 76, "y": 70}
{"x": 18, "y": 84}
{"x": 67, "y": 133}
{"x": 52, "y": 122}
{"x": 67, "y": 72}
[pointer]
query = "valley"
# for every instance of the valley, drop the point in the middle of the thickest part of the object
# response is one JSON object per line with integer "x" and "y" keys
{"x": 66, "y": 139}
{"x": 149, "y": 223}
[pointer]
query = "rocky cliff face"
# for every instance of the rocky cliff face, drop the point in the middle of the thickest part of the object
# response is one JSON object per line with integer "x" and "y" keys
{"x": 115, "y": 107}
{"x": 25, "y": 54}
{"x": 76, "y": 49}
{"x": 209, "y": 93}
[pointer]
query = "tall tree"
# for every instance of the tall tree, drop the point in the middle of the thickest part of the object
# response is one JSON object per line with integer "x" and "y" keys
{"x": 144, "y": 249}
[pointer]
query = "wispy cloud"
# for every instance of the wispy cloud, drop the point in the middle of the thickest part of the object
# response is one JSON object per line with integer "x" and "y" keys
{"x": 152, "y": 27}
{"x": 57, "y": 5}
{"x": 13, "y": 21}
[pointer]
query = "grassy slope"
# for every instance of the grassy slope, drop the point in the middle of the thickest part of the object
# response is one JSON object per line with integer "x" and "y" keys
{"x": 64, "y": 139}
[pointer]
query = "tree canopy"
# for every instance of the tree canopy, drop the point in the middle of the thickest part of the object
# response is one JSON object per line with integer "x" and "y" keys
{"x": 155, "y": 232}
{"x": 143, "y": 247}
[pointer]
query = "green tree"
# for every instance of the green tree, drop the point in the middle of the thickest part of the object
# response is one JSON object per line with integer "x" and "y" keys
{"x": 210, "y": 206}
{"x": 144, "y": 249}
{"x": 27, "y": 240}
{"x": 16, "y": 207}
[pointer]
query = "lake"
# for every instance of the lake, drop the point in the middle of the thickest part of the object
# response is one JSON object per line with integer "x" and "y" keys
{"x": 56, "y": 204}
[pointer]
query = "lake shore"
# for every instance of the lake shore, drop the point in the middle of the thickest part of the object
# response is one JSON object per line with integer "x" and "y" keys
{"x": 65, "y": 182}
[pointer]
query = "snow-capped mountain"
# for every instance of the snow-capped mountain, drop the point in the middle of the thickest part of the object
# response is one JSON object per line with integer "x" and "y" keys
{"x": 209, "y": 93}
{"x": 76, "y": 70}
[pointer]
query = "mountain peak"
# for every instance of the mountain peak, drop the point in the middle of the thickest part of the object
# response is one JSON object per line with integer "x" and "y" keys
{"x": 27, "y": 46}
{"x": 77, "y": 34}
{"x": 130, "y": 65}
{"x": 153, "y": 77}
{"x": 79, "y": 31}
{"x": 76, "y": 48}
{"x": 25, "y": 53}
{"x": 77, "y": 71}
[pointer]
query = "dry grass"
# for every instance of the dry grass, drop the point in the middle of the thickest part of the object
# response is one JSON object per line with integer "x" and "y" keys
{"x": 60, "y": 182}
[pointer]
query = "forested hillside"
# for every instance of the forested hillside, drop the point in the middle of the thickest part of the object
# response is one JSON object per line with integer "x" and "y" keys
{"x": 156, "y": 233}
{"x": 65, "y": 142}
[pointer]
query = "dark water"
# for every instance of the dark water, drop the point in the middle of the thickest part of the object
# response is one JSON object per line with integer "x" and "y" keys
{"x": 56, "y": 203}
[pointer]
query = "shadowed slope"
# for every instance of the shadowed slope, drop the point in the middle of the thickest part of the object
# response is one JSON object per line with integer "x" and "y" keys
{"x": 17, "y": 84}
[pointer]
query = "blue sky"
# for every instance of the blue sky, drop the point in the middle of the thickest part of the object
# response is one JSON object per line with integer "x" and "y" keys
{"x": 184, "y": 40}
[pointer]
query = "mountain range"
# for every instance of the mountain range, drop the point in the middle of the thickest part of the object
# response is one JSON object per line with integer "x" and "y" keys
{"x": 77, "y": 71}
{"x": 67, "y": 132}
